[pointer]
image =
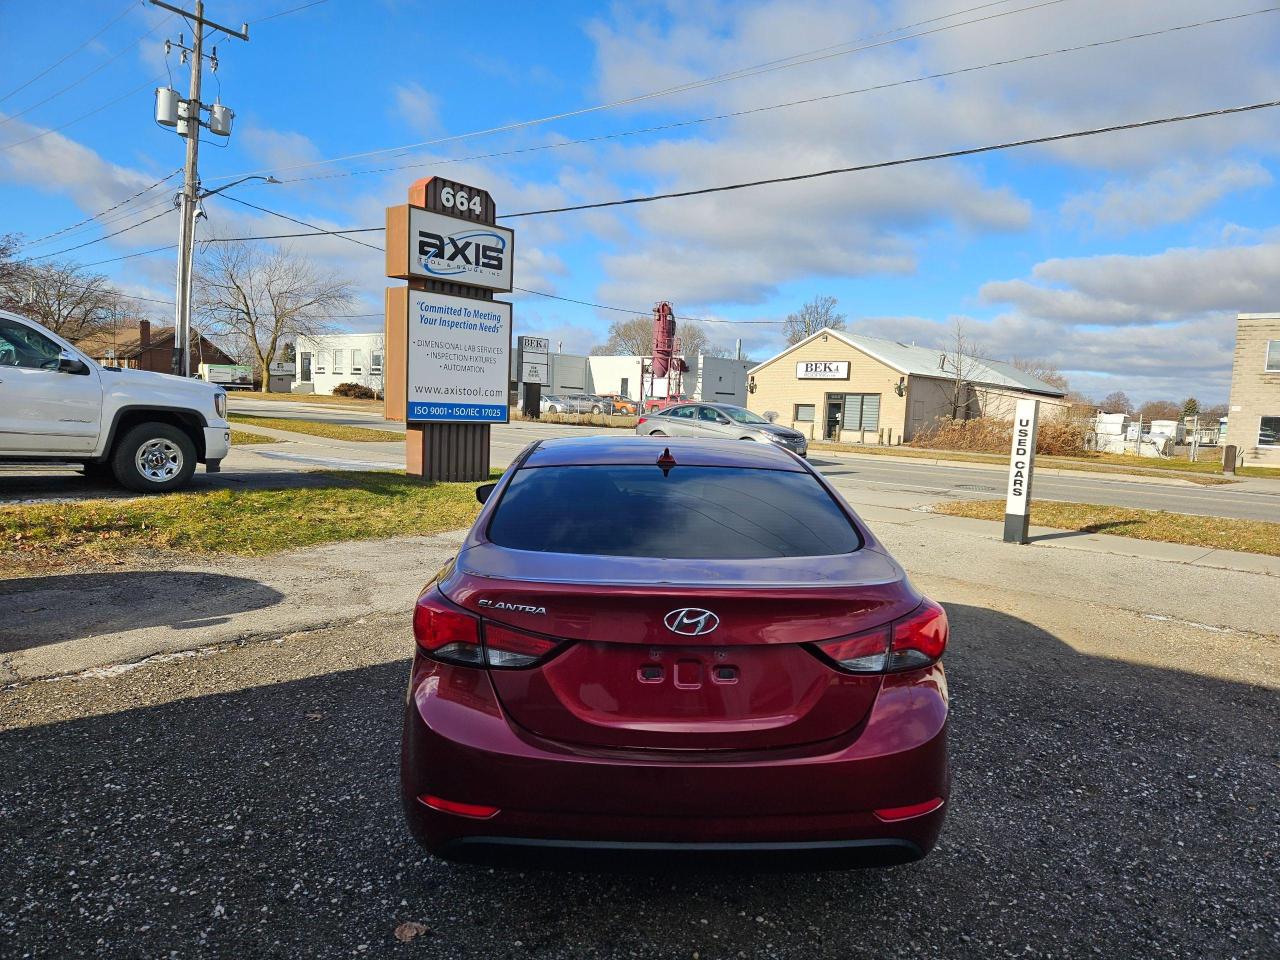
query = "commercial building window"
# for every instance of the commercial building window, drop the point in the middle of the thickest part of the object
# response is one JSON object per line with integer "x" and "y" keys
{"x": 357, "y": 361}
{"x": 861, "y": 411}
{"x": 322, "y": 361}
{"x": 1273, "y": 356}
{"x": 338, "y": 365}
{"x": 625, "y": 387}
{"x": 1269, "y": 432}
{"x": 804, "y": 412}
{"x": 375, "y": 364}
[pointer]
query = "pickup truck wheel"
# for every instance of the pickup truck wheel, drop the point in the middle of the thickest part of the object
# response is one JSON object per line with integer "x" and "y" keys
{"x": 154, "y": 458}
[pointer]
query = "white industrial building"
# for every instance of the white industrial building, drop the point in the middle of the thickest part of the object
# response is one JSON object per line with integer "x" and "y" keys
{"x": 716, "y": 379}
{"x": 327, "y": 360}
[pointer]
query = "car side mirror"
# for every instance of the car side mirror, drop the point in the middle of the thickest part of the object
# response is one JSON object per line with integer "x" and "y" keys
{"x": 484, "y": 491}
{"x": 72, "y": 365}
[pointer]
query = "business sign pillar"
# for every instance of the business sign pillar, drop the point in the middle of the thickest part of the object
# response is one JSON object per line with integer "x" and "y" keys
{"x": 1022, "y": 463}
{"x": 448, "y": 342}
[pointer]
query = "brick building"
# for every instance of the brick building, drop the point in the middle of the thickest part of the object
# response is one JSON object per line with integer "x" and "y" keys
{"x": 1253, "y": 418}
{"x": 146, "y": 348}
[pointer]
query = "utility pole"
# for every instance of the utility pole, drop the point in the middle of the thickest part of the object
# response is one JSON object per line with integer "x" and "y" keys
{"x": 184, "y": 115}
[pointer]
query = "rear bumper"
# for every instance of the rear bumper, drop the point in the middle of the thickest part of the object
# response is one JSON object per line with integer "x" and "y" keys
{"x": 557, "y": 802}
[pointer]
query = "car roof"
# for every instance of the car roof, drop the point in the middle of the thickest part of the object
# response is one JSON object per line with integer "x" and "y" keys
{"x": 690, "y": 451}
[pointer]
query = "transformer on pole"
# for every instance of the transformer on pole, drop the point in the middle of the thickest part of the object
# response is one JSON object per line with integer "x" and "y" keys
{"x": 184, "y": 117}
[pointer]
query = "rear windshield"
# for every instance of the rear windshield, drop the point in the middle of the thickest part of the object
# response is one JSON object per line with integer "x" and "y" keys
{"x": 692, "y": 513}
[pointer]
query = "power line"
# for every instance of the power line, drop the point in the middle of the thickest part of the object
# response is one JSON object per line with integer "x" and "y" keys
{"x": 133, "y": 226}
{"x": 103, "y": 213}
{"x": 302, "y": 223}
{"x": 130, "y": 256}
{"x": 540, "y": 293}
{"x": 285, "y": 13}
{"x": 59, "y": 62}
{"x": 950, "y": 154}
{"x": 85, "y": 76}
{"x": 793, "y": 103}
{"x": 83, "y": 116}
{"x": 754, "y": 70}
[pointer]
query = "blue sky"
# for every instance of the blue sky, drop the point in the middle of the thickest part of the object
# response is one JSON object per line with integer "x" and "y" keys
{"x": 1122, "y": 260}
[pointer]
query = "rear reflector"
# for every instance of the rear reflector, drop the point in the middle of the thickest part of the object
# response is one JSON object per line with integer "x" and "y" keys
{"x": 514, "y": 648}
{"x": 861, "y": 653}
{"x": 890, "y": 814}
{"x": 474, "y": 810}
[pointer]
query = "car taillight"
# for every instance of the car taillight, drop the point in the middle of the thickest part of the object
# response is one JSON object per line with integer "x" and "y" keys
{"x": 448, "y": 633}
{"x": 641, "y": 420}
{"x": 916, "y": 640}
{"x": 445, "y": 632}
{"x": 512, "y": 648}
{"x": 919, "y": 638}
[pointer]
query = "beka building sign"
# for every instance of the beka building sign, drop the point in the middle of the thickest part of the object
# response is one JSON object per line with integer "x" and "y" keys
{"x": 822, "y": 370}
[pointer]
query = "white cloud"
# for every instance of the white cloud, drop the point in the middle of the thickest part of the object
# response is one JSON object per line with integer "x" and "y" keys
{"x": 417, "y": 108}
{"x": 1171, "y": 194}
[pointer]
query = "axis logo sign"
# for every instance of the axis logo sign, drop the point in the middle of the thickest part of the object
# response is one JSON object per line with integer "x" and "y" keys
{"x": 450, "y": 248}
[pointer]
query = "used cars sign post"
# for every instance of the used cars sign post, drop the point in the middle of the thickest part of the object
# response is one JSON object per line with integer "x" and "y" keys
{"x": 1022, "y": 461}
{"x": 448, "y": 341}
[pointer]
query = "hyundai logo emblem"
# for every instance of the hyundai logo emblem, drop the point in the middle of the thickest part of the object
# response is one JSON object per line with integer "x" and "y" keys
{"x": 691, "y": 621}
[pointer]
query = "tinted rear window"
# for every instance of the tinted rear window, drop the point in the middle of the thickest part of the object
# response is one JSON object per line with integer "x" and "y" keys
{"x": 692, "y": 513}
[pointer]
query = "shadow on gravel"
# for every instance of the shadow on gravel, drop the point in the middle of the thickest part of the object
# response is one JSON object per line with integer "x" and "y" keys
{"x": 1099, "y": 809}
{"x": 37, "y": 610}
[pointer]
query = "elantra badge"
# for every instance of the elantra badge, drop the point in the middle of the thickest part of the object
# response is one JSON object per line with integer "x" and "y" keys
{"x": 691, "y": 621}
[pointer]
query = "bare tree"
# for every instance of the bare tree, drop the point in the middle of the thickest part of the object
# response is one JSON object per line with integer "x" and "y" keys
{"x": 817, "y": 314}
{"x": 1117, "y": 401}
{"x": 1042, "y": 370}
{"x": 9, "y": 243}
{"x": 1160, "y": 410}
{"x": 263, "y": 296}
{"x": 627, "y": 338}
{"x": 63, "y": 296}
{"x": 959, "y": 364}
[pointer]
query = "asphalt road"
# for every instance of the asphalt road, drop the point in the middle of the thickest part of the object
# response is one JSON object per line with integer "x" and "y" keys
{"x": 257, "y": 465}
{"x": 243, "y": 804}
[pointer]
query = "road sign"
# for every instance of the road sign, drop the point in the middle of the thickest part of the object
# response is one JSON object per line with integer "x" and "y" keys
{"x": 1022, "y": 462}
{"x": 458, "y": 359}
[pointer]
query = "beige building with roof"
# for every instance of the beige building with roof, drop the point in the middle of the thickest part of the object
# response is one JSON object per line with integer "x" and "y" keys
{"x": 1253, "y": 417}
{"x": 836, "y": 385}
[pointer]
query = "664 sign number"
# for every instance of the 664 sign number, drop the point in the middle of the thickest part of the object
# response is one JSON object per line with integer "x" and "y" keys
{"x": 461, "y": 201}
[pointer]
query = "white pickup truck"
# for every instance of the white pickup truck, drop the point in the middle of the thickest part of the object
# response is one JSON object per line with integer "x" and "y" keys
{"x": 148, "y": 430}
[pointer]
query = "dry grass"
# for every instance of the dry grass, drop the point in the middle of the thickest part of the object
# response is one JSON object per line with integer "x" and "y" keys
{"x": 1056, "y": 437}
{"x": 617, "y": 421}
{"x": 1201, "y": 472}
{"x": 306, "y": 398}
{"x": 241, "y": 437}
{"x": 1219, "y": 533}
{"x": 334, "y": 507}
{"x": 317, "y": 428}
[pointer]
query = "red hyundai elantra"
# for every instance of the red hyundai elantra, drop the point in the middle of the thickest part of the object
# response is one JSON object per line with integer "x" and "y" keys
{"x": 679, "y": 645}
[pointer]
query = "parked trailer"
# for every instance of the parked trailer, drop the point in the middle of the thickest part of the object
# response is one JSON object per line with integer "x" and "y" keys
{"x": 229, "y": 376}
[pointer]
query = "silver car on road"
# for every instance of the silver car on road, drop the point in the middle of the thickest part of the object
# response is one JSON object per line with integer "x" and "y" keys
{"x": 724, "y": 420}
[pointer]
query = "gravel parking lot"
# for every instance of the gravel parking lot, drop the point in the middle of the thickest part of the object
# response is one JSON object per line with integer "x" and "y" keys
{"x": 242, "y": 803}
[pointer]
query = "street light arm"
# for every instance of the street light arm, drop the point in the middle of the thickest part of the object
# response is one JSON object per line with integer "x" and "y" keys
{"x": 227, "y": 186}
